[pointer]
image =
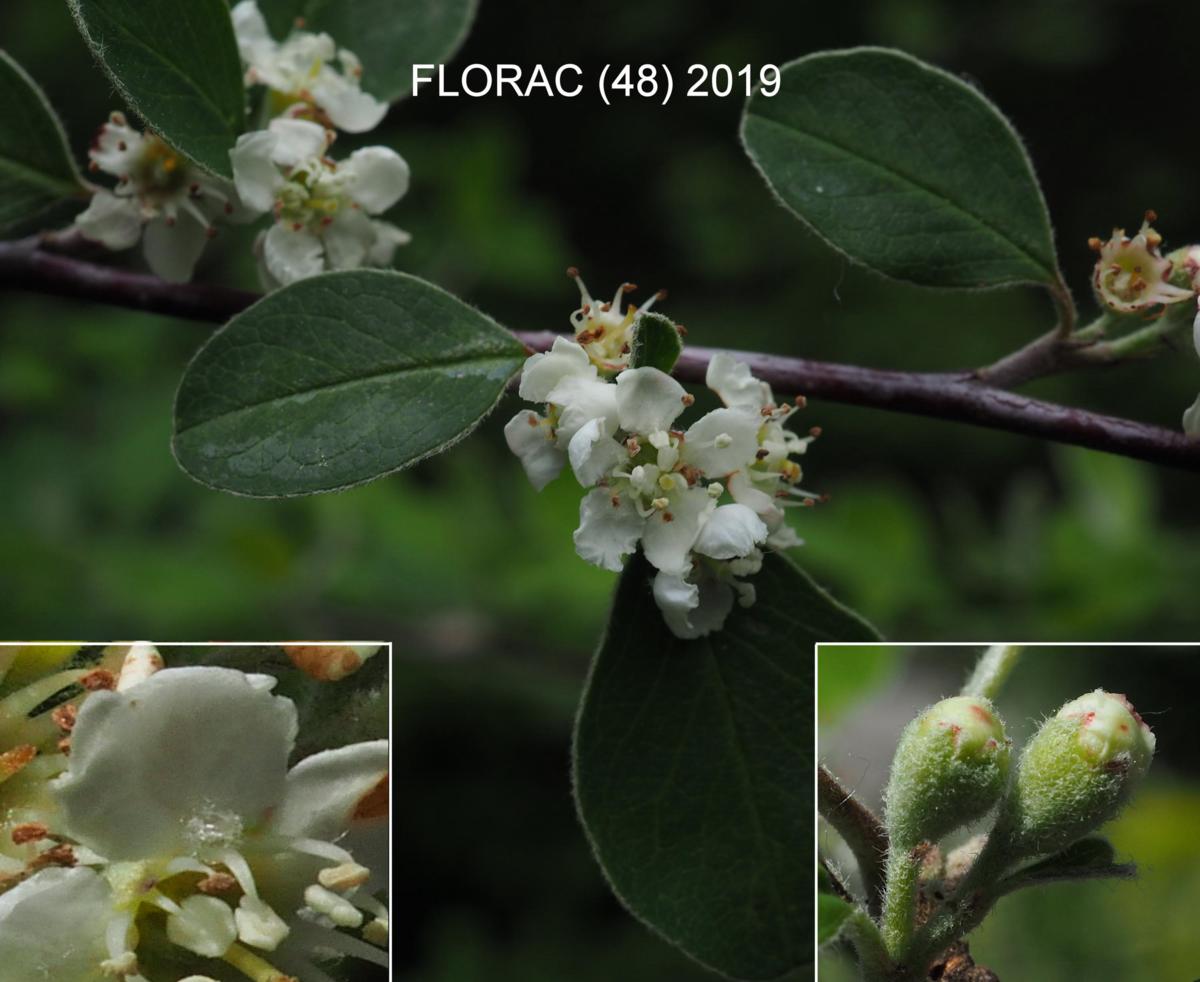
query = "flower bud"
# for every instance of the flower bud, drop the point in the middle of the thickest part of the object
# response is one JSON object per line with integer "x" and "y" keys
{"x": 951, "y": 767}
{"x": 1076, "y": 773}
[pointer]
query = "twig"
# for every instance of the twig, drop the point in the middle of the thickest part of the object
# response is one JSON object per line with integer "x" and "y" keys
{"x": 863, "y": 832}
{"x": 992, "y": 670}
{"x": 966, "y": 397}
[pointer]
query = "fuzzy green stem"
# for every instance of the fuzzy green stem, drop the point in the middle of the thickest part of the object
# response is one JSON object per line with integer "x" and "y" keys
{"x": 992, "y": 670}
{"x": 863, "y": 934}
{"x": 900, "y": 900}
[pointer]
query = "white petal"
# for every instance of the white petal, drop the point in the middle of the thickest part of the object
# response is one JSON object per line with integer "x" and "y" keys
{"x": 52, "y": 926}
{"x": 387, "y": 238}
{"x": 172, "y": 250}
{"x": 676, "y": 598}
{"x": 1191, "y": 419}
{"x": 255, "y": 174}
{"x": 732, "y": 381}
{"x": 607, "y": 532}
{"x": 113, "y": 221}
{"x": 324, "y": 791}
{"x": 379, "y": 178}
{"x": 529, "y": 437}
{"x": 204, "y": 925}
{"x": 185, "y": 761}
{"x": 296, "y": 140}
{"x": 543, "y": 371}
{"x": 253, "y": 39}
{"x": 594, "y": 453}
{"x": 292, "y": 254}
{"x": 648, "y": 400}
{"x": 348, "y": 107}
{"x": 583, "y": 399}
{"x": 670, "y": 534}
{"x": 347, "y": 239}
{"x": 731, "y": 531}
{"x": 743, "y": 491}
{"x": 117, "y": 147}
{"x": 722, "y": 441}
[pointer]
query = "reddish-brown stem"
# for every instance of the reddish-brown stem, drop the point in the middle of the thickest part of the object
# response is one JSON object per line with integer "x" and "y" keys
{"x": 959, "y": 396}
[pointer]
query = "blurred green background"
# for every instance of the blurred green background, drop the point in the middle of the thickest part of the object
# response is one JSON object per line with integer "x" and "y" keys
{"x": 934, "y": 530}
{"x": 1141, "y": 930}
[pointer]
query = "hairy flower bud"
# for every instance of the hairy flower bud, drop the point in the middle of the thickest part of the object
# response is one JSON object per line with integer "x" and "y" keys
{"x": 951, "y": 767}
{"x": 1076, "y": 773}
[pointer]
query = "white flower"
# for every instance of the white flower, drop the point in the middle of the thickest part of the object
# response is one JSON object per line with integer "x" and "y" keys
{"x": 52, "y": 927}
{"x": 300, "y": 72}
{"x": 160, "y": 198}
{"x": 659, "y": 488}
{"x": 1131, "y": 274}
{"x": 322, "y": 208}
{"x": 184, "y": 775}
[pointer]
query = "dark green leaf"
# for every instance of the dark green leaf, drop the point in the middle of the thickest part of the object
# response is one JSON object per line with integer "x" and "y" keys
{"x": 177, "y": 65}
{"x": 336, "y": 380}
{"x": 36, "y": 168}
{"x": 831, "y": 915}
{"x": 694, "y": 769}
{"x": 389, "y": 36}
{"x": 656, "y": 343}
{"x": 904, "y": 168}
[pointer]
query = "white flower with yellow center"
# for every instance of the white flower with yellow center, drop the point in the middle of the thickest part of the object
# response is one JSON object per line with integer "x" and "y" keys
{"x": 323, "y": 209}
{"x": 178, "y": 800}
{"x": 160, "y": 199}
{"x": 1131, "y": 274}
{"x": 660, "y": 488}
{"x": 301, "y": 75}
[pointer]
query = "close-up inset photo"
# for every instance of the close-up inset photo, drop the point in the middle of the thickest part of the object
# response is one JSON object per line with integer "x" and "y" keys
{"x": 210, "y": 812}
{"x": 1007, "y": 812}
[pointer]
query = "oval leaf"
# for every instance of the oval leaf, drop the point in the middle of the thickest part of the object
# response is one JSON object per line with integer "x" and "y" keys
{"x": 694, "y": 769}
{"x": 388, "y": 36}
{"x": 177, "y": 66}
{"x": 36, "y": 168}
{"x": 337, "y": 380}
{"x": 904, "y": 168}
{"x": 656, "y": 343}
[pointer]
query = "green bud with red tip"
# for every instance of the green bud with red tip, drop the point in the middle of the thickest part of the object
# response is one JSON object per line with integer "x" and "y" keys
{"x": 1075, "y": 774}
{"x": 950, "y": 768}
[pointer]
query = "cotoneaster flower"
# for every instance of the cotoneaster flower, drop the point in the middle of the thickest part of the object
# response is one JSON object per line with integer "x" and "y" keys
{"x": 1131, "y": 274}
{"x": 605, "y": 330}
{"x": 301, "y": 75}
{"x": 177, "y": 804}
{"x": 323, "y": 209}
{"x": 160, "y": 199}
{"x": 660, "y": 488}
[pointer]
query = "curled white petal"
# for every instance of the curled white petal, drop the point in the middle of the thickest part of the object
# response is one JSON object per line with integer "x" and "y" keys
{"x": 543, "y": 371}
{"x": 609, "y": 529}
{"x": 292, "y": 254}
{"x": 115, "y": 222}
{"x": 593, "y": 452}
{"x": 730, "y": 532}
{"x": 529, "y": 436}
{"x": 732, "y": 381}
{"x": 671, "y": 531}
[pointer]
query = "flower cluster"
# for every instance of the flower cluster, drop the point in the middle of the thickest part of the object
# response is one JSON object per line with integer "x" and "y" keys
{"x": 324, "y": 211}
{"x": 652, "y": 484}
{"x": 168, "y": 820}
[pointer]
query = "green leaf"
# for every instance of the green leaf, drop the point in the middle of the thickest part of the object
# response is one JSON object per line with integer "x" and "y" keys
{"x": 831, "y": 915}
{"x": 1091, "y": 858}
{"x": 177, "y": 65}
{"x": 694, "y": 769}
{"x": 36, "y": 168}
{"x": 388, "y": 36}
{"x": 903, "y": 168}
{"x": 337, "y": 380}
{"x": 656, "y": 343}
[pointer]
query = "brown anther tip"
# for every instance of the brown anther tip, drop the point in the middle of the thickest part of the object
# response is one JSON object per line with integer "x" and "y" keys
{"x": 97, "y": 679}
{"x": 815, "y": 431}
{"x": 28, "y": 832}
{"x": 228, "y": 208}
{"x": 64, "y": 745}
{"x": 687, "y": 399}
{"x": 661, "y": 295}
{"x": 1151, "y": 215}
{"x": 13, "y": 760}
{"x": 629, "y": 287}
{"x": 193, "y": 188}
{"x": 825, "y": 498}
{"x": 93, "y": 166}
{"x": 170, "y": 221}
{"x": 625, "y": 349}
{"x": 682, "y": 331}
{"x": 64, "y": 716}
{"x": 606, "y": 307}
{"x": 808, "y": 503}
{"x": 1095, "y": 243}
{"x": 210, "y": 232}
{"x": 60, "y": 855}
{"x": 217, "y": 883}
{"x": 122, "y": 146}
{"x": 762, "y": 453}
{"x": 800, "y": 402}
{"x": 573, "y": 272}
{"x": 297, "y": 226}
{"x": 668, "y": 517}
{"x": 300, "y": 23}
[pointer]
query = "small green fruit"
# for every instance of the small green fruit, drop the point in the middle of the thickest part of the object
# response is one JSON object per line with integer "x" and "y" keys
{"x": 1076, "y": 773}
{"x": 950, "y": 768}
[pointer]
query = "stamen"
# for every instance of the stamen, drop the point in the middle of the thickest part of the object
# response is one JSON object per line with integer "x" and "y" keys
{"x": 344, "y": 877}
{"x": 336, "y": 908}
{"x": 254, "y": 967}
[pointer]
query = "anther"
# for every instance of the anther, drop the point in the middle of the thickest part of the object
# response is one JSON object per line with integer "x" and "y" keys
{"x": 687, "y": 399}
{"x": 344, "y": 877}
{"x": 217, "y": 883}
{"x": 28, "y": 832}
{"x": 97, "y": 679}
{"x": 815, "y": 431}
